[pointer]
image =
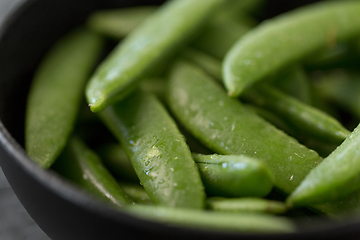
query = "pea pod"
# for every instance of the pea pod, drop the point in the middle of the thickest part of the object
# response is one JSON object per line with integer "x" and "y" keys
{"x": 116, "y": 160}
{"x": 225, "y": 126}
{"x": 136, "y": 192}
{"x": 296, "y": 83}
{"x": 145, "y": 48}
{"x": 286, "y": 39}
{"x": 83, "y": 166}
{"x": 222, "y": 175}
{"x": 341, "y": 88}
{"x": 343, "y": 55}
{"x": 118, "y": 23}
{"x": 304, "y": 117}
{"x": 246, "y": 205}
{"x": 55, "y": 94}
{"x": 210, "y": 64}
{"x": 157, "y": 151}
{"x": 221, "y": 33}
{"x": 156, "y": 86}
{"x": 233, "y": 222}
{"x": 337, "y": 176}
{"x": 234, "y": 175}
{"x": 272, "y": 118}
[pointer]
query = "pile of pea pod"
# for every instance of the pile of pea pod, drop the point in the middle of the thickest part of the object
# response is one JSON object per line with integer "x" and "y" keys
{"x": 194, "y": 113}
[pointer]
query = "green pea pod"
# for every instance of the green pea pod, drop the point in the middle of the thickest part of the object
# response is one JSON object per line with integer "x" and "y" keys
{"x": 337, "y": 176}
{"x": 286, "y": 39}
{"x": 136, "y": 192}
{"x": 248, "y": 6}
{"x": 210, "y": 64}
{"x": 341, "y": 88}
{"x": 118, "y": 23}
{"x": 234, "y": 175}
{"x": 151, "y": 43}
{"x": 116, "y": 160}
{"x": 304, "y": 117}
{"x": 156, "y": 86}
{"x": 225, "y": 126}
{"x": 220, "y": 34}
{"x": 221, "y": 221}
{"x": 296, "y": 83}
{"x": 157, "y": 151}
{"x": 55, "y": 94}
{"x": 343, "y": 208}
{"x": 246, "y": 205}
{"x": 341, "y": 55}
{"x": 83, "y": 166}
{"x": 272, "y": 118}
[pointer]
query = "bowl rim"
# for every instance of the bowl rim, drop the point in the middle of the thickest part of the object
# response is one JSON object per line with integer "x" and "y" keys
{"x": 61, "y": 187}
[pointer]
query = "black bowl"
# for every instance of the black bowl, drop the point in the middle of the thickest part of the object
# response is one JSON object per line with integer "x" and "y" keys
{"x": 60, "y": 209}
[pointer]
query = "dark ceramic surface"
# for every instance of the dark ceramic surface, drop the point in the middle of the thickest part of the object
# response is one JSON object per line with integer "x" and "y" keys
{"x": 60, "y": 209}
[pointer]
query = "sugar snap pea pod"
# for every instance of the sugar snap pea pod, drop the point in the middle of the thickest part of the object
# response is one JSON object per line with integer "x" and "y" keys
{"x": 153, "y": 41}
{"x": 272, "y": 118}
{"x": 234, "y": 175}
{"x": 248, "y": 6}
{"x": 338, "y": 56}
{"x": 225, "y": 126}
{"x": 233, "y": 222}
{"x": 55, "y": 94}
{"x": 341, "y": 88}
{"x": 117, "y": 23}
{"x": 304, "y": 117}
{"x": 157, "y": 151}
{"x": 220, "y": 34}
{"x": 246, "y": 205}
{"x": 156, "y": 86}
{"x": 83, "y": 166}
{"x": 286, "y": 39}
{"x": 136, "y": 192}
{"x": 337, "y": 176}
{"x": 210, "y": 64}
{"x": 221, "y": 31}
{"x": 116, "y": 160}
{"x": 296, "y": 83}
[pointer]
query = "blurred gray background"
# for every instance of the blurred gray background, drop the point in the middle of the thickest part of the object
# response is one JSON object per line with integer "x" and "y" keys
{"x": 15, "y": 222}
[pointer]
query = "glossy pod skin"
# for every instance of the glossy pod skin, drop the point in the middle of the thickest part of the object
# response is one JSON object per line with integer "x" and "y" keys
{"x": 232, "y": 222}
{"x": 234, "y": 175}
{"x": 246, "y": 205}
{"x": 303, "y": 117}
{"x": 82, "y": 166}
{"x": 151, "y": 43}
{"x": 225, "y": 126}
{"x": 270, "y": 46}
{"x": 222, "y": 30}
{"x": 337, "y": 176}
{"x": 157, "y": 151}
{"x": 56, "y": 92}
